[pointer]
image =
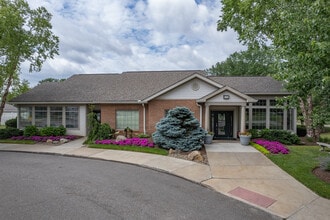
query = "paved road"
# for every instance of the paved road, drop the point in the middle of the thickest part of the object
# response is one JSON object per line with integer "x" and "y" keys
{"x": 37, "y": 186}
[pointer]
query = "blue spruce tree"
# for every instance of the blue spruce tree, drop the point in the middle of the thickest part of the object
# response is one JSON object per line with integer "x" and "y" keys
{"x": 179, "y": 130}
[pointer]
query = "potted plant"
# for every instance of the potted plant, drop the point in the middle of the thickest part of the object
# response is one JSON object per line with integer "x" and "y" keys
{"x": 208, "y": 138}
{"x": 245, "y": 137}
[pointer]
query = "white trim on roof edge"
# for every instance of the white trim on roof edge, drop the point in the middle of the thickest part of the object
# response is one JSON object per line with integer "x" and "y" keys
{"x": 227, "y": 88}
{"x": 195, "y": 75}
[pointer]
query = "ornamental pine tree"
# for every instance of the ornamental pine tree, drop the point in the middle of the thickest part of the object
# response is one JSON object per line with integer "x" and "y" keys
{"x": 179, "y": 130}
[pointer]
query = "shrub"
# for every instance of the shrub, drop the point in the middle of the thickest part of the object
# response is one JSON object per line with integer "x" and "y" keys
{"x": 104, "y": 132}
{"x": 301, "y": 131}
{"x": 11, "y": 123}
{"x": 10, "y": 132}
{"x": 143, "y": 135}
{"x": 285, "y": 137}
{"x": 179, "y": 130}
{"x": 325, "y": 164}
{"x": 31, "y": 131}
{"x": 53, "y": 131}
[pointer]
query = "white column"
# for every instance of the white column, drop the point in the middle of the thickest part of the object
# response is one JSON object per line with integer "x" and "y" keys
{"x": 207, "y": 117}
{"x": 242, "y": 119}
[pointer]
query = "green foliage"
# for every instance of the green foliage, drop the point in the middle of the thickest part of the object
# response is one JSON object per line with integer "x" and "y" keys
{"x": 10, "y": 132}
{"x": 50, "y": 80}
{"x": 252, "y": 62}
{"x": 18, "y": 88}
{"x": 31, "y": 131}
{"x": 11, "y": 123}
{"x": 26, "y": 37}
{"x": 143, "y": 135}
{"x": 325, "y": 164}
{"x": 298, "y": 34}
{"x": 285, "y": 137}
{"x": 97, "y": 131}
{"x": 179, "y": 130}
{"x": 53, "y": 131}
{"x": 130, "y": 148}
{"x": 260, "y": 148}
{"x": 104, "y": 132}
{"x": 301, "y": 130}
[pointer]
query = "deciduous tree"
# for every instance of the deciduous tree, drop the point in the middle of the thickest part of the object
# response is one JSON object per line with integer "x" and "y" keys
{"x": 25, "y": 36}
{"x": 298, "y": 32}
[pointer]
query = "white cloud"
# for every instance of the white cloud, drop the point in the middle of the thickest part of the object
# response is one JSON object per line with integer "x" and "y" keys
{"x": 127, "y": 35}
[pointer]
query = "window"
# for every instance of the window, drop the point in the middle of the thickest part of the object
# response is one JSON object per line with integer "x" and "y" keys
{"x": 40, "y": 116}
{"x": 290, "y": 119}
{"x": 71, "y": 117}
{"x": 261, "y": 102}
{"x": 25, "y": 116}
{"x": 276, "y": 119}
{"x": 56, "y": 116}
{"x": 127, "y": 119}
{"x": 258, "y": 118}
{"x": 247, "y": 118}
{"x": 272, "y": 102}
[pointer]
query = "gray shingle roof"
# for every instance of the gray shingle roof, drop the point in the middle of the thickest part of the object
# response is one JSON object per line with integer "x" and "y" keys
{"x": 131, "y": 86}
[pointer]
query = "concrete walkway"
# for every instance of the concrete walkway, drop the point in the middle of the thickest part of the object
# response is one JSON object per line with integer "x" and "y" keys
{"x": 240, "y": 172}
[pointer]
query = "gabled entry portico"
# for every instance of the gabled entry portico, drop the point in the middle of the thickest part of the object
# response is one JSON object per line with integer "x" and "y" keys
{"x": 225, "y": 112}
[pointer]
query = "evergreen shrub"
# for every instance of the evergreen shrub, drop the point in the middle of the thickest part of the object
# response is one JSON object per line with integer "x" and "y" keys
{"x": 104, "y": 132}
{"x": 10, "y": 132}
{"x": 31, "y": 130}
{"x": 179, "y": 130}
{"x": 285, "y": 137}
{"x": 11, "y": 123}
{"x": 301, "y": 131}
{"x": 53, "y": 131}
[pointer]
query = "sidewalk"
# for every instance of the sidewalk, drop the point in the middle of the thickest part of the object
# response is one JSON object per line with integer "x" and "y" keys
{"x": 240, "y": 172}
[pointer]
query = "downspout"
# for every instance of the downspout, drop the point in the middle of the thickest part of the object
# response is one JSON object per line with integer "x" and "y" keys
{"x": 144, "y": 119}
{"x": 200, "y": 114}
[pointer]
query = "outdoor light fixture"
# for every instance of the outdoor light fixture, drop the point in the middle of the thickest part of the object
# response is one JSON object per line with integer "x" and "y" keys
{"x": 226, "y": 97}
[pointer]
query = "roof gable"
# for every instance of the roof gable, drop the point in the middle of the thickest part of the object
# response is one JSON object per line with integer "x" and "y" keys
{"x": 237, "y": 96}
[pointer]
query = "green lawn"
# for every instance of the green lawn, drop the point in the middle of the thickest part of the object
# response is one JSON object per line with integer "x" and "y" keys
{"x": 300, "y": 162}
{"x": 130, "y": 148}
{"x": 9, "y": 141}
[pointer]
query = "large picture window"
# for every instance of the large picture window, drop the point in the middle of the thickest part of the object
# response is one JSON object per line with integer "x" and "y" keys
{"x": 71, "y": 117}
{"x": 25, "y": 116}
{"x": 127, "y": 118}
{"x": 56, "y": 116}
{"x": 258, "y": 118}
{"x": 276, "y": 119}
{"x": 40, "y": 116}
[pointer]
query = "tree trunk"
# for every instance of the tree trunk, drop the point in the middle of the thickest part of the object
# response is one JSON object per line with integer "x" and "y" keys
{"x": 307, "y": 109}
{"x": 5, "y": 94}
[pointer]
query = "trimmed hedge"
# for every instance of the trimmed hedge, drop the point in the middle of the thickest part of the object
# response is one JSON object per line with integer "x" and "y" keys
{"x": 31, "y": 130}
{"x": 53, "y": 131}
{"x": 10, "y": 132}
{"x": 285, "y": 137}
{"x": 301, "y": 130}
{"x": 11, "y": 123}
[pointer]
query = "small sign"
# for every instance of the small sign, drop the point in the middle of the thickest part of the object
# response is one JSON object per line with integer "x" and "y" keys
{"x": 226, "y": 97}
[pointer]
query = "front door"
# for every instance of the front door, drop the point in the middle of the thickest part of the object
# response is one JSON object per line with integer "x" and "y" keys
{"x": 222, "y": 124}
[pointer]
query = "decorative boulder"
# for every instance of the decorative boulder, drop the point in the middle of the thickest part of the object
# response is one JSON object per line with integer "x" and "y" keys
{"x": 121, "y": 138}
{"x": 195, "y": 156}
{"x": 64, "y": 140}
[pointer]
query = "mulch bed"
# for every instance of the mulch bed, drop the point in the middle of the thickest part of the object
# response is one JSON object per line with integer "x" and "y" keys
{"x": 322, "y": 174}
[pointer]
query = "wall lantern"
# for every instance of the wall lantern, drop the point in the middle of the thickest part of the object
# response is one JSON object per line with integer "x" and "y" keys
{"x": 226, "y": 97}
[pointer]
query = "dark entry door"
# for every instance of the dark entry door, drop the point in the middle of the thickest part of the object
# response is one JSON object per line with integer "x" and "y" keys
{"x": 222, "y": 124}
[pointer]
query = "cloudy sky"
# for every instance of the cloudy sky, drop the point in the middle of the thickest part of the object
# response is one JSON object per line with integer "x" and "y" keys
{"x": 112, "y": 36}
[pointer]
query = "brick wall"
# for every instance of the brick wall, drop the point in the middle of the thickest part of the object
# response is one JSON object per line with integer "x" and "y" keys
{"x": 155, "y": 110}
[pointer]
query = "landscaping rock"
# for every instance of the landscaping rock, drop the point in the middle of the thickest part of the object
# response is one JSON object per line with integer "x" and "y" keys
{"x": 121, "y": 138}
{"x": 195, "y": 156}
{"x": 64, "y": 140}
{"x": 49, "y": 141}
{"x": 56, "y": 142}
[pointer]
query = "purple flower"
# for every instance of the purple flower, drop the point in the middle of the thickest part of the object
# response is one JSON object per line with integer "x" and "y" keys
{"x": 274, "y": 147}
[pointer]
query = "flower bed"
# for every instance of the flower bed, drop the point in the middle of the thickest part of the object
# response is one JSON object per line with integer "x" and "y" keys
{"x": 142, "y": 142}
{"x": 45, "y": 138}
{"x": 273, "y": 147}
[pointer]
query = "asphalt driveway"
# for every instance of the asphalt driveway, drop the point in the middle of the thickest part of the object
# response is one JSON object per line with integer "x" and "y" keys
{"x": 37, "y": 186}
